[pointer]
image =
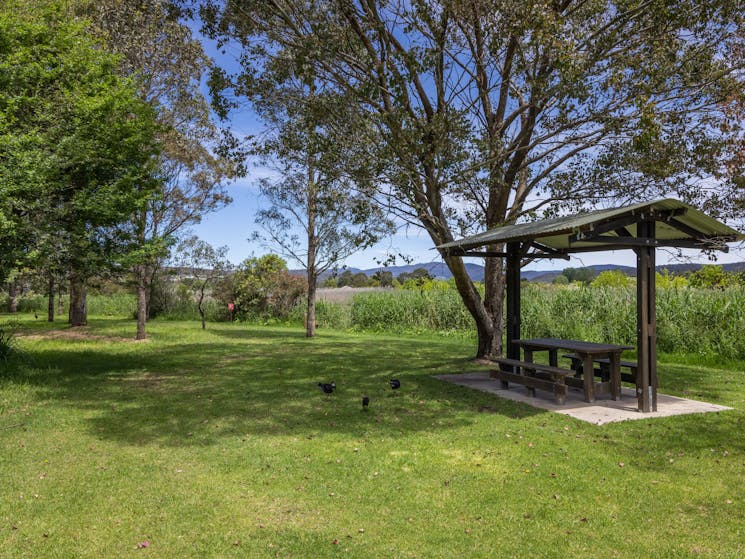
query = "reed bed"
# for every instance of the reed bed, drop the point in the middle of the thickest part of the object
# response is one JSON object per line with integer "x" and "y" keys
{"x": 689, "y": 320}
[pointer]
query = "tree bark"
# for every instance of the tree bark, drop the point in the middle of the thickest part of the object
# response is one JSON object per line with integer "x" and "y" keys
{"x": 200, "y": 303}
{"x": 60, "y": 299}
{"x": 78, "y": 301}
{"x": 310, "y": 316}
{"x": 50, "y": 303}
{"x": 141, "y": 273}
{"x": 12, "y": 297}
{"x": 488, "y": 326}
{"x": 201, "y": 313}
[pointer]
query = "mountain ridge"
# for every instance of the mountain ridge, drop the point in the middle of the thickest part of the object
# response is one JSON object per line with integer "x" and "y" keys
{"x": 440, "y": 270}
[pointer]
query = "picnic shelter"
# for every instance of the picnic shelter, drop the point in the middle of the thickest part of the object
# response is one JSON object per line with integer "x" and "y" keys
{"x": 641, "y": 227}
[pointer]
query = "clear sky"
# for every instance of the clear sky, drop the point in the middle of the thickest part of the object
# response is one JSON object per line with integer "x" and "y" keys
{"x": 232, "y": 226}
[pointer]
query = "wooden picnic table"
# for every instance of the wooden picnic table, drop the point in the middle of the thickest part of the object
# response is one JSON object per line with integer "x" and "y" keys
{"x": 588, "y": 352}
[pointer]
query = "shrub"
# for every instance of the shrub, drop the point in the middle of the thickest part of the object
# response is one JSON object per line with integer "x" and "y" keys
{"x": 263, "y": 288}
{"x": 7, "y": 343}
{"x": 612, "y": 278}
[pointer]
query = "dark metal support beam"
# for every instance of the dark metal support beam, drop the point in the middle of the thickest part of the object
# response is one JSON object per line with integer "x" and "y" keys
{"x": 512, "y": 272}
{"x": 646, "y": 321}
{"x": 687, "y": 229}
{"x": 600, "y": 228}
{"x": 619, "y": 243}
{"x": 546, "y": 252}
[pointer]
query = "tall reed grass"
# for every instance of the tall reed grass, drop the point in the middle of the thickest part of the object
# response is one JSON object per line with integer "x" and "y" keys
{"x": 689, "y": 320}
{"x": 703, "y": 321}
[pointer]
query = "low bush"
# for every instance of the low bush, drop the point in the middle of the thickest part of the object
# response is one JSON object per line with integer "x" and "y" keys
{"x": 7, "y": 343}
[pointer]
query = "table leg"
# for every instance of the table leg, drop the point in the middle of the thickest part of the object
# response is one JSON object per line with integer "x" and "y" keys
{"x": 528, "y": 355}
{"x": 615, "y": 375}
{"x": 553, "y": 357}
{"x": 588, "y": 377}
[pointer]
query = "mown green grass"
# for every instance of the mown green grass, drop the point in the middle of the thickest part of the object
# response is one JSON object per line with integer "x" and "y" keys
{"x": 219, "y": 444}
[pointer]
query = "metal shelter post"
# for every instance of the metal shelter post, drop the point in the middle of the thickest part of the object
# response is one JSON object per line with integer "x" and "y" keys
{"x": 646, "y": 319}
{"x": 513, "y": 298}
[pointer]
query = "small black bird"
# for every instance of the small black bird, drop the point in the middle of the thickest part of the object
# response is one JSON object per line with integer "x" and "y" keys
{"x": 365, "y": 402}
{"x": 395, "y": 383}
{"x": 327, "y": 387}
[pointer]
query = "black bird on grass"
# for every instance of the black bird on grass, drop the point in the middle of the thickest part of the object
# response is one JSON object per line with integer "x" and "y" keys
{"x": 395, "y": 383}
{"x": 365, "y": 402}
{"x": 327, "y": 387}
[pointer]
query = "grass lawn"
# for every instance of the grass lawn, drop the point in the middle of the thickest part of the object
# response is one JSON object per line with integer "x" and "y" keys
{"x": 220, "y": 444}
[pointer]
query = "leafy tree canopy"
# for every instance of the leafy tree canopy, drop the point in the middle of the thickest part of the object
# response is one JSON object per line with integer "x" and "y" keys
{"x": 77, "y": 144}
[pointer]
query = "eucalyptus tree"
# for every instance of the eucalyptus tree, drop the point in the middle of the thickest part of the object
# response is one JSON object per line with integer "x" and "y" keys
{"x": 320, "y": 210}
{"x": 494, "y": 111}
{"x": 78, "y": 145}
{"x": 156, "y": 47}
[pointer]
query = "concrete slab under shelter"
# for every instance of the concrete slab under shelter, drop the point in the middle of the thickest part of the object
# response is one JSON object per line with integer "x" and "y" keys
{"x": 599, "y": 412}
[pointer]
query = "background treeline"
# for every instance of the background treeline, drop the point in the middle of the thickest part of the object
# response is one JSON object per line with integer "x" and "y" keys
{"x": 703, "y": 312}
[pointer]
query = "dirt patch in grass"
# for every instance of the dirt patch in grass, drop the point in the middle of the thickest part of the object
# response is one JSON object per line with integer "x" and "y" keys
{"x": 79, "y": 333}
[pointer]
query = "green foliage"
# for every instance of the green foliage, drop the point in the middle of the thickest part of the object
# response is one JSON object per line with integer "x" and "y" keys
{"x": 352, "y": 279}
{"x": 666, "y": 280}
{"x": 415, "y": 279}
{"x": 482, "y": 112}
{"x": 410, "y": 310}
{"x": 77, "y": 142}
{"x": 582, "y": 275}
{"x": 262, "y": 287}
{"x": 7, "y": 343}
{"x": 384, "y": 278}
{"x": 612, "y": 278}
{"x": 712, "y": 277}
{"x": 328, "y": 315}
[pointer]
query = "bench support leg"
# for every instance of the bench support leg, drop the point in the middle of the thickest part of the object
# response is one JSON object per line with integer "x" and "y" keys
{"x": 588, "y": 378}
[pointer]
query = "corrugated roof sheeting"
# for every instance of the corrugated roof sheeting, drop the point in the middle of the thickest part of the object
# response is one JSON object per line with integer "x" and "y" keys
{"x": 555, "y": 233}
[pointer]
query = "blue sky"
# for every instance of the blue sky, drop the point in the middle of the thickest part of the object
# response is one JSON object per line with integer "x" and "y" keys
{"x": 232, "y": 226}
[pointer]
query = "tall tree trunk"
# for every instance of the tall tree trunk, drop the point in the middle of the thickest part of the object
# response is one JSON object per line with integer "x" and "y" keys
{"x": 151, "y": 270}
{"x": 310, "y": 316}
{"x": 50, "y": 302}
{"x": 12, "y": 297}
{"x": 488, "y": 320}
{"x": 78, "y": 301}
{"x": 60, "y": 299}
{"x": 141, "y": 273}
{"x": 200, "y": 307}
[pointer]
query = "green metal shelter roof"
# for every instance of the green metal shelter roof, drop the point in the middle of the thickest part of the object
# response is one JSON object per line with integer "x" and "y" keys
{"x": 677, "y": 225}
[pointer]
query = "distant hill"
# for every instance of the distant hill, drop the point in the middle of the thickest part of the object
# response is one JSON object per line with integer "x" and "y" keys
{"x": 440, "y": 271}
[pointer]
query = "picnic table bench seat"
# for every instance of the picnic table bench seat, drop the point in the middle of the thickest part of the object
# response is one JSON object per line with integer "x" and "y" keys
{"x": 604, "y": 368}
{"x": 532, "y": 376}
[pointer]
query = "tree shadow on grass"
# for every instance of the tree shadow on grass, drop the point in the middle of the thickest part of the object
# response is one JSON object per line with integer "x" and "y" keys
{"x": 234, "y": 382}
{"x": 196, "y": 393}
